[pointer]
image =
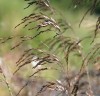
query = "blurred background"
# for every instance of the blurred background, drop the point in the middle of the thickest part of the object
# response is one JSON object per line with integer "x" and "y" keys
{"x": 11, "y": 13}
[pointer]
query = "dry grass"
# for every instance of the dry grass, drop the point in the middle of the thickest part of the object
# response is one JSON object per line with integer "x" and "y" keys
{"x": 46, "y": 56}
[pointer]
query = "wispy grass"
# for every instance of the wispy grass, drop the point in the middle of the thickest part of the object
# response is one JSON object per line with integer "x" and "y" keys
{"x": 62, "y": 49}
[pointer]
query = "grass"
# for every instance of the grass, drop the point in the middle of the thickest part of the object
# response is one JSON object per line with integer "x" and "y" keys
{"x": 60, "y": 52}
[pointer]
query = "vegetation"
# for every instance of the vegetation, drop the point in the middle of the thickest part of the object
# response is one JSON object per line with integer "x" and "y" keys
{"x": 60, "y": 52}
